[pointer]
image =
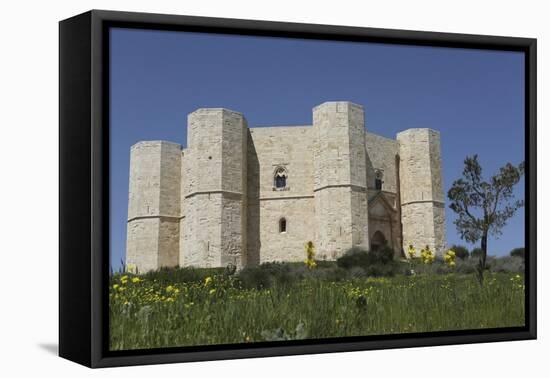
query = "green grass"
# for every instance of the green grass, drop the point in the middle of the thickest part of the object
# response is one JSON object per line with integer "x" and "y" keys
{"x": 183, "y": 307}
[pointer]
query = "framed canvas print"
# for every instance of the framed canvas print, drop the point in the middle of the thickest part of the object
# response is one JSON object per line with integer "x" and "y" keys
{"x": 234, "y": 188}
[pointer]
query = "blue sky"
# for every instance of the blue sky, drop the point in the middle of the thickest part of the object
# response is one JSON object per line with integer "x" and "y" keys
{"x": 475, "y": 98}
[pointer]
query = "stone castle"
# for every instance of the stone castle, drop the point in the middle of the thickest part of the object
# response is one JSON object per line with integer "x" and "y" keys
{"x": 244, "y": 196}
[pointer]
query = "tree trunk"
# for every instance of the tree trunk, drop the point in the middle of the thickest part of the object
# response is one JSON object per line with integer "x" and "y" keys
{"x": 483, "y": 258}
{"x": 484, "y": 249}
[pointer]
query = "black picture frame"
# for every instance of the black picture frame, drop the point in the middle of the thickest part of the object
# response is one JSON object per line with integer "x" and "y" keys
{"x": 84, "y": 183}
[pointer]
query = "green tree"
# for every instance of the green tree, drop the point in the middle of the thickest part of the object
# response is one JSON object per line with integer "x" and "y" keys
{"x": 461, "y": 251}
{"x": 484, "y": 207}
{"x": 476, "y": 253}
{"x": 518, "y": 252}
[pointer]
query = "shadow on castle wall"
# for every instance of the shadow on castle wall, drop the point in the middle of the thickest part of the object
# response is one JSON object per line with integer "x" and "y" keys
{"x": 253, "y": 203}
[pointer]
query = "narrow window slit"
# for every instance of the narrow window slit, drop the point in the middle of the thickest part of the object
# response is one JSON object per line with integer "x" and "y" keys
{"x": 282, "y": 225}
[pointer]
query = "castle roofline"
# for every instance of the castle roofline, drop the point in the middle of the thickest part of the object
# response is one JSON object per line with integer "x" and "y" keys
{"x": 215, "y": 110}
{"x": 380, "y": 136}
{"x": 154, "y": 142}
{"x": 417, "y": 129}
{"x": 268, "y": 127}
{"x": 335, "y": 103}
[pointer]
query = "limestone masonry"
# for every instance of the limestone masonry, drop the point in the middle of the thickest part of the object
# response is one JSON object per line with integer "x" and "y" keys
{"x": 244, "y": 196}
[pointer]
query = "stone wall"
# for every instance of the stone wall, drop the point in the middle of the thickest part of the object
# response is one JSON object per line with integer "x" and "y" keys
{"x": 214, "y": 189}
{"x": 358, "y": 176}
{"x": 422, "y": 207}
{"x": 215, "y": 203}
{"x": 154, "y": 205}
{"x": 381, "y": 155}
{"x": 333, "y": 216}
{"x": 339, "y": 159}
{"x": 270, "y": 148}
{"x": 384, "y": 218}
{"x": 183, "y": 189}
{"x": 142, "y": 244}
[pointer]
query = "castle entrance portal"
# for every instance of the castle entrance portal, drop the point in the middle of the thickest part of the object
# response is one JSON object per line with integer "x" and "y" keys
{"x": 378, "y": 240}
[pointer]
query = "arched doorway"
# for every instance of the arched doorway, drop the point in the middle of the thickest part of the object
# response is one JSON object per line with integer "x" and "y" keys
{"x": 378, "y": 240}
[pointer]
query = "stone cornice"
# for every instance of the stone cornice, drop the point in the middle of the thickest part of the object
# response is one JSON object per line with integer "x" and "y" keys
{"x": 163, "y": 217}
{"x": 355, "y": 188}
{"x": 423, "y": 201}
{"x": 283, "y": 198}
{"x": 235, "y": 194}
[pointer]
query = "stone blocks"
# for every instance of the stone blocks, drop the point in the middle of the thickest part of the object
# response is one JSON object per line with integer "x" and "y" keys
{"x": 216, "y": 202}
{"x": 153, "y": 205}
{"x": 340, "y": 185}
{"x": 214, "y": 187}
{"x": 421, "y": 189}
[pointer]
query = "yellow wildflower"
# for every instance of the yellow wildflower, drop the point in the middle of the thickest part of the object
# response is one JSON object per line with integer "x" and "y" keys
{"x": 310, "y": 255}
{"x": 411, "y": 251}
{"x": 169, "y": 289}
{"x": 427, "y": 255}
{"x": 132, "y": 268}
{"x": 115, "y": 286}
{"x": 450, "y": 257}
{"x": 207, "y": 281}
{"x": 136, "y": 280}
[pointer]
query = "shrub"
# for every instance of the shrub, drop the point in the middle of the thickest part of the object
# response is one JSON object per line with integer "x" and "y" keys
{"x": 376, "y": 263}
{"x": 255, "y": 278}
{"x": 512, "y": 264}
{"x": 438, "y": 266}
{"x": 355, "y": 256}
{"x": 388, "y": 269}
{"x": 380, "y": 255}
{"x": 187, "y": 274}
{"x": 461, "y": 251}
{"x": 333, "y": 273}
{"x": 467, "y": 266}
{"x": 357, "y": 272}
{"x": 518, "y": 252}
{"x": 270, "y": 274}
{"x": 476, "y": 252}
{"x": 441, "y": 267}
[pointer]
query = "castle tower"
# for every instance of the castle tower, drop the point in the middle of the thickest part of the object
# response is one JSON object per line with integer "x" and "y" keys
{"x": 153, "y": 205}
{"x": 421, "y": 189}
{"x": 214, "y": 190}
{"x": 340, "y": 185}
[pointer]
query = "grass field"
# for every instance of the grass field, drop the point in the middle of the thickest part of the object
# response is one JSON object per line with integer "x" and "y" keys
{"x": 202, "y": 307}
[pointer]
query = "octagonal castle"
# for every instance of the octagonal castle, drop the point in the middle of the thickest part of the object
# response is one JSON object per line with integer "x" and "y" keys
{"x": 244, "y": 196}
